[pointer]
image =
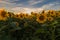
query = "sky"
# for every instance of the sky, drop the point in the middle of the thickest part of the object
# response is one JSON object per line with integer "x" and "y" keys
{"x": 29, "y": 5}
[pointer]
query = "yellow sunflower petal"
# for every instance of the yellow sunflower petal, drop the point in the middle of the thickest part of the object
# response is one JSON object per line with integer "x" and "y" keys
{"x": 41, "y": 18}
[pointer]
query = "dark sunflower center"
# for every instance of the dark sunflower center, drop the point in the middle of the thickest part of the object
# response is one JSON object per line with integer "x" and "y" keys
{"x": 3, "y": 14}
{"x": 41, "y": 17}
{"x": 21, "y": 16}
{"x": 51, "y": 12}
{"x": 17, "y": 15}
{"x": 49, "y": 18}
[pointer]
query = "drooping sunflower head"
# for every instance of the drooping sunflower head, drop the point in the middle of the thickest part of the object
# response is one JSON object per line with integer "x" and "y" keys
{"x": 34, "y": 14}
{"x": 43, "y": 11}
{"x": 41, "y": 18}
{"x": 11, "y": 14}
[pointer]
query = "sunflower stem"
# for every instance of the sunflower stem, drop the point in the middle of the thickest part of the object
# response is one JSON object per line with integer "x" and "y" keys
{"x": 53, "y": 33}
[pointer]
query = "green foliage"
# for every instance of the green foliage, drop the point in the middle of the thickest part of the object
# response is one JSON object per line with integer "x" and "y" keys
{"x": 25, "y": 29}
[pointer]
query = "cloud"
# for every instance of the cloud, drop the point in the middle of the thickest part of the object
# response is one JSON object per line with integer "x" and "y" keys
{"x": 28, "y": 6}
{"x": 26, "y": 10}
{"x": 4, "y": 2}
{"x": 47, "y": 6}
{"x": 10, "y": 0}
{"x": 8, "y": 5}
{"x": 53, "y": 6}
{"x": 33, "y": 2}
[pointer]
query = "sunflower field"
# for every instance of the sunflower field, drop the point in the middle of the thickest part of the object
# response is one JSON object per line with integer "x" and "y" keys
{"x": 34, "y": 26}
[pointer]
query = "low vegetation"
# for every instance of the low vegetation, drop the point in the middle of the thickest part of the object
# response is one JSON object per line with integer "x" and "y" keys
{"x": 37, "y": 26}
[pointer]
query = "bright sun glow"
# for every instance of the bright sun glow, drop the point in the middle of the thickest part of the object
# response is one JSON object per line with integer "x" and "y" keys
{"x": 28, "y": 11}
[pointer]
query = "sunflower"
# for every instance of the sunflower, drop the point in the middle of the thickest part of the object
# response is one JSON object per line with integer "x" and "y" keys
{"x": 41, "y": 18}
{"x": 34, "y": 14}
{"x": 26, "y": 15}
{"x": 52, "y": 13}
{"x": 58, "y": 14}
{"x": 16, "y": 16}
{"x": 10, "y": 14}
{"x": 3, "y": 15}
{"x": 43, "y": 11}
{"x": 3, "y": 18}
{"x": 21, "y": 16}
{"x": 44, "y": 14}
{"x": 50, "y": 18}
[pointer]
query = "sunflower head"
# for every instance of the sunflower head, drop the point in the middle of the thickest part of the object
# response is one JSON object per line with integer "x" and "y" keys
{"x": 16, "y": 16}
{"x": 32, "y": 13}
{"x": 58, "y": 14}
{"x": 50, "y": 18}
{"x": 41, "y": 18}
{"x": 3, "y": 15}
{"x": 21, "y": 16}
{"x": 26, "y": 15}
{"x": 43, "y": 11}
{"x": 52, "y": 13}
{"x": 10, "y": 14}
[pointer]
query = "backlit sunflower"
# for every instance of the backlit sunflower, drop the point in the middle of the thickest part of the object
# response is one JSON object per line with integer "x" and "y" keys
{"x": 16, "y": 16}
{"x": 41, "y": 18}
{"x": 26, "y": 15}
{"x": 50, "y": 18}
{"x": 3, "y": 15}
{"x": 34, "y": 14}
{"x": 21, "y": 16}
{"x": 11, "y": 14}
{"x": 2, "y": 18}
{"x": 43, "y": 11}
